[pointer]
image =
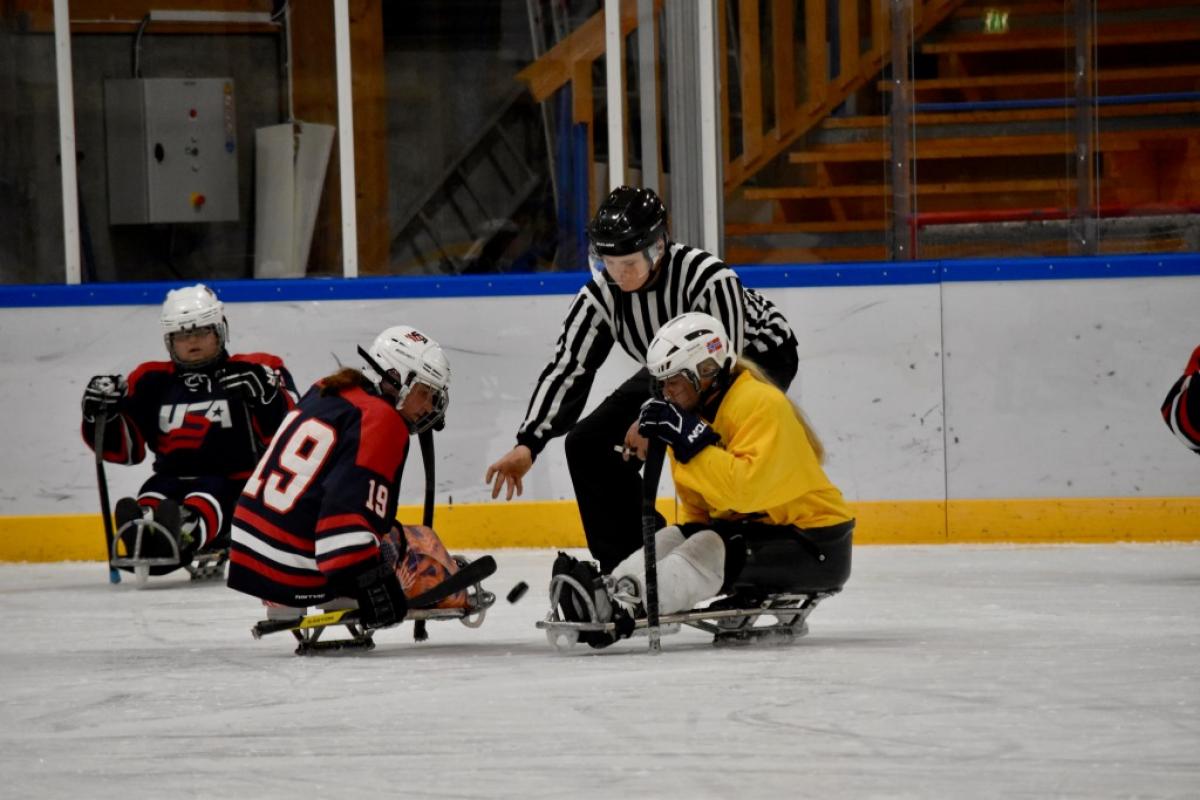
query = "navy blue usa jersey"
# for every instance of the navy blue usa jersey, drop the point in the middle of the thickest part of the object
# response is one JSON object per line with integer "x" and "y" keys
{"x": 311, "y": 515}
{"x": 193, "y": 425}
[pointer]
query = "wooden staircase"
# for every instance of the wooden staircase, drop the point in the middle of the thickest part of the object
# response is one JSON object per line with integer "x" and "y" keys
{"x": 994, "y": 144}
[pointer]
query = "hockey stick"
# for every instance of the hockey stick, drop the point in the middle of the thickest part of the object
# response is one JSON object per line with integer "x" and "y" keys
{"x": 466, "y": 577}
{"x": 114, "y": 575}
{"x": 655, "y": 455}
{"x": 426, "y": 439}
{"x": 420, "y": 633}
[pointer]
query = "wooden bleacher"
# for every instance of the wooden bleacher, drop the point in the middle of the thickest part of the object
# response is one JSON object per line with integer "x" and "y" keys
{"x": 994, "y": 132}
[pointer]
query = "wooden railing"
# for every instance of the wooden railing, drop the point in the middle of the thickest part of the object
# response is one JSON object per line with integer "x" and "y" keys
{"x": 792, "y": 106}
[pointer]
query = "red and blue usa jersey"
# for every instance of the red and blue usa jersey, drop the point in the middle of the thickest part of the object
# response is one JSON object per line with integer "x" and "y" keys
{"x": 310, "y": 516}
{"x": 193, "y": 425}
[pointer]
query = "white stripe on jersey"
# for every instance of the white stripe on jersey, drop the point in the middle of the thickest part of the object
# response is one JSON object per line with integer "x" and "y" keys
{"x": 601, "y": 315}
{"x": 327, "y": 544}
{"x": 252, "y": 542}
{"x": 216, "y": 507}
{"x": 579, "y": 310}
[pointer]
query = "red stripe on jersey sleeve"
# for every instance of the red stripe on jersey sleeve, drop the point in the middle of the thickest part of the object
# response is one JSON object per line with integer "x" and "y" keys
{"x": 243, "y": 514}
{"x": 383, "y": 438}
{"x": 265, "y": 359}
{"x": 1193, "y": 364}
{"x": 1189, "y": 427}
{"x": 348, "y": 559}
{"x": 143, "y": 370}
{"x": 244, "y": 559}
{"x": 344, "y": 521}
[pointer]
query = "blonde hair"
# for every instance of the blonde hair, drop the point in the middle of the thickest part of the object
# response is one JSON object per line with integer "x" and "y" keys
{"x": 744, "y": 364}
{"x": 344, "y": 378}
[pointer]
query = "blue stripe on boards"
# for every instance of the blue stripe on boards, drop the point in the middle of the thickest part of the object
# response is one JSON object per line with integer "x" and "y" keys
{"x": 765, "y": 276}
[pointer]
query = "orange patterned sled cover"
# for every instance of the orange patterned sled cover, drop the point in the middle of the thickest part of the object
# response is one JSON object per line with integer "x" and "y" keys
{"x": 426, "y": 564}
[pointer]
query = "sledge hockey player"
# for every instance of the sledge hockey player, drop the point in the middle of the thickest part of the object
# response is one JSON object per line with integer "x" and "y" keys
{"x": 315, "y": 525}
{"x": 641, "y": 280}
{"x": 757, "y": 515}
{"x": 205, "y": 414}
{"x": 1181, "y": 408}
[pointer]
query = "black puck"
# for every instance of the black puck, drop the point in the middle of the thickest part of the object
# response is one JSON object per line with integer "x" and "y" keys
{"x": 517, "y": 592}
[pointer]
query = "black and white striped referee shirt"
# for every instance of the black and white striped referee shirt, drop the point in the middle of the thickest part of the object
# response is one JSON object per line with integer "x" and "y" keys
{"x": 601, "y": 313}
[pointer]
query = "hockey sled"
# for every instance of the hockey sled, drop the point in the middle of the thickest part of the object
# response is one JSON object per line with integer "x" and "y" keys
{"x": 309, "y": 629}
{"x": 776, "y": 618}
{"x": 142, "y": 530}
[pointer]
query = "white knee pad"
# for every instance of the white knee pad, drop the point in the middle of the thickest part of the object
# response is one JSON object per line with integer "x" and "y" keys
{"x": 665, "y": 540}
{"x": 692, "y": 572}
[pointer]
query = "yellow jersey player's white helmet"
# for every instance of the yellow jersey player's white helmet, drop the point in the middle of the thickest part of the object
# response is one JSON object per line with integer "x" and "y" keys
{"x": 694, "y": 344}
{"x": 193, "y": 308}
{"x": 402, "y": 356}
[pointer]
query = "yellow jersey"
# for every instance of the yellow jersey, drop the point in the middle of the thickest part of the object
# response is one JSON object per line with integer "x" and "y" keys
{"x": 764, "y": 466}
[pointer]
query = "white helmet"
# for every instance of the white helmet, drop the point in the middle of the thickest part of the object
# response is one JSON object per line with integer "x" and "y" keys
{"x": 403, "y": 357}
{"x": 693, "y": 343}
{"x": 192, "y": 308}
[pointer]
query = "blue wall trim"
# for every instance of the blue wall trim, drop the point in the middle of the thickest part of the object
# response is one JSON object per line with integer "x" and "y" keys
{"x": 771, "y": 276}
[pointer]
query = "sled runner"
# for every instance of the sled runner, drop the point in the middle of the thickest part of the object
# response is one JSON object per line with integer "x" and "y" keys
{"x": 733, "y": 620}
{"x": 309, "y": 629}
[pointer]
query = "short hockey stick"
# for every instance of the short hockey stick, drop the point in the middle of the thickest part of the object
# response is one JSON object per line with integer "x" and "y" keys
{"x": 420, "y": 632}
{"x": 427, "y": 460}
{"x": 114, "y": 575}
{"x": 466, "y": 577}
{"x": 655, "y": 455}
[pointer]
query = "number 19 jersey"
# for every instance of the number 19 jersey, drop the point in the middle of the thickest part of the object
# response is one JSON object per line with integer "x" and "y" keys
{"x": 311, "y": 515}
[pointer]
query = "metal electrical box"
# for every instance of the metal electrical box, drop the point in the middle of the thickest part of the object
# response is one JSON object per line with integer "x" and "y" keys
{"x": 172, "y": 150}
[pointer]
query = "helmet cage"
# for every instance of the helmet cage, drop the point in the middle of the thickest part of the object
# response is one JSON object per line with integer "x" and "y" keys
{"x": 192, "y": 309}
{"x": 403, "y": 385}
{"x": 708, "y": 368}
{"x": 694, "y": 345}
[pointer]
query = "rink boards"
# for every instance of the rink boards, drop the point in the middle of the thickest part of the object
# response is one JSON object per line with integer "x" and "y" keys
{"x": 981, "y": 401}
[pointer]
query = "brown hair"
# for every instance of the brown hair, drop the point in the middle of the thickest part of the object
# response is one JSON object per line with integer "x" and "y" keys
{"x": 344, "y": 378}
{"x": 746, "y": 365}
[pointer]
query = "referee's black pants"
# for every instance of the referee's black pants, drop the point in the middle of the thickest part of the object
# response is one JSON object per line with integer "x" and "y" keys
{"x": 608, "y": 488}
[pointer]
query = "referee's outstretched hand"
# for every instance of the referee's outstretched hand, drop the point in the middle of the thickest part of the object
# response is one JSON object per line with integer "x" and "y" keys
{"x": 509, "y": 470}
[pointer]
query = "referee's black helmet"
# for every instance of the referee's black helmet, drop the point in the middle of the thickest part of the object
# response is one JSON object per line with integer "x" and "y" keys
{"x": 628, "y": 221}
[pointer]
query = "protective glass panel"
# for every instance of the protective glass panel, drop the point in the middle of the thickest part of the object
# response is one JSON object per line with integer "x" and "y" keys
{"x": 31, "y": 242}
{"x": 992, "y": 131}
{"x": 206, "y": 135}
{"x": 483, "y": 156}
{"x": 1145, "y": 132}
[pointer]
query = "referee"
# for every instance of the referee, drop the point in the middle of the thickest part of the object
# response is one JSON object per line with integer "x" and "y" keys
{"x": 642, "y": 281}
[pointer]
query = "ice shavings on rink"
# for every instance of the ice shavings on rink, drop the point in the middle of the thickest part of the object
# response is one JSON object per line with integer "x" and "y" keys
{"x": 939, "y": 672}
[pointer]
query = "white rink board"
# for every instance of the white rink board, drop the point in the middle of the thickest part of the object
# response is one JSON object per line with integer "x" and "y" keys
{"x": 1053, "y": 388}
{"x": 1025, "y": 398}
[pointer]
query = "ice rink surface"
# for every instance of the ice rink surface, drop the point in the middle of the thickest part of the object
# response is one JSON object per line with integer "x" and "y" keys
{"x": 940, "y": 672}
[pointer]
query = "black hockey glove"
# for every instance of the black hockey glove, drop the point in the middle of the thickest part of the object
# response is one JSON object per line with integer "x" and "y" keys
{"x": 381, "y": 601}
{"x": 685, "y": 432}
{"x": 102, "y": 396}
{"x": 254, "y": 383}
